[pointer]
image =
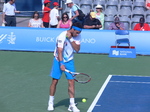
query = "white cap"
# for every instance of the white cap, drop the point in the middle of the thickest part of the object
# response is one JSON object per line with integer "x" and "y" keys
{"x": 98, "y": 6}
{"x": 68, "y": 1}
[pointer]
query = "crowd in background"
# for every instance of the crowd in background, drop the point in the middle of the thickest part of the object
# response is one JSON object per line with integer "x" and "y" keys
{"x": 51, "y": 18}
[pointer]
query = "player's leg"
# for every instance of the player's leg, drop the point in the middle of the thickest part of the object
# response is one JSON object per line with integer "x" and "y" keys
{"x": 53, "y": 87}
{"x": 71, "y": 92}
{"x": 52, "y": 93}
{"x": 55, "y": 74}
{"x": 71, "y": 86}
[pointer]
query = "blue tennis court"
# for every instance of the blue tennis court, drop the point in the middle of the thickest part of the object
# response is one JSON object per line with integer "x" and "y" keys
{"x": 123, "y": 94}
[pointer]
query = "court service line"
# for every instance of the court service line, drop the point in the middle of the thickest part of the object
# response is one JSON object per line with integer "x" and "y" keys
{"x": 99, "y": 94}
{"x": 131, "y": 82}
{"x": 130, "y": 75}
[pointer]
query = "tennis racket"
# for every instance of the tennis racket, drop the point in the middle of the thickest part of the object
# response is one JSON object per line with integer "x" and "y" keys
{"x": 80, "y": 77}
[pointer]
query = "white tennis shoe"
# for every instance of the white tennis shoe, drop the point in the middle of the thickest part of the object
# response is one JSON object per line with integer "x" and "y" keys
{"x": 50, "y": 107}
{"x": 73, "y": 108}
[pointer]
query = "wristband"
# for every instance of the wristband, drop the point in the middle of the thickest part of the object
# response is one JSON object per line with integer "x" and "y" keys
{"x": 61, "y": 63}
{"x": 71, "y": 40}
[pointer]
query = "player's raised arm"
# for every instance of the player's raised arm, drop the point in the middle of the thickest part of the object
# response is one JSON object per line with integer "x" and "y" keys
{"x": 73, "y": 35}
{"x": 75, "y": 44}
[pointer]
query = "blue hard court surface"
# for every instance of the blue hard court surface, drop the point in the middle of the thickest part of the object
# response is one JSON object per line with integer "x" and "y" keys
{"x": 123, "y": 94}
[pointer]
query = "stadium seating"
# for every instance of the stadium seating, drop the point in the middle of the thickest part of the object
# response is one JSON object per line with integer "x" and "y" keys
{"x": 126, "y": 22}
{"x": 112, "y": 5}
{"x": 125, "y": 12}
{"x": 134, "y": 21}
{"x": 129, "y": 11}
{"x": 139, "y": 5}
{"x": 110, "y": 12}
{"x": 126, "y": 5}
{"x": 85, "y": 10}
{"x": 86, "y": 3}
{"x": 137, "y": 13}
{"x": 108, "y": 21}
{"x": 76, "y": 2}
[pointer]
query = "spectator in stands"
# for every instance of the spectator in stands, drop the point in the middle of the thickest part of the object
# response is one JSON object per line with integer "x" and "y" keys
{"x": 36, "y": 22}
{"x": 54, "y": 15}
{"x": 100, "y": 15}
{"x": 9, "y": 11}
{"x": 116, "y": 25}
{"x": 74, "y": 11}
{"x": 91, "y": 22}
{"x": 64, "y": 22}
{"x": 147, "y": 4}
{"x": 46, "y": 12}
{"x": 141, "y": 26}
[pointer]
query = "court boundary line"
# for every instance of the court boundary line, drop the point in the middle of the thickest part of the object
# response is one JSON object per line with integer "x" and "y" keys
{"x": 99, "y": 94}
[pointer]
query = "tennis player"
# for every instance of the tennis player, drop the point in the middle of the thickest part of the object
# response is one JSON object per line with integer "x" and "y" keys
{"x": 67, "y": 42}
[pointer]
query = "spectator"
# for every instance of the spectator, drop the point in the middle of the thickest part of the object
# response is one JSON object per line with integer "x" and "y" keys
{"x": 9, "y": 11}
{"x": 54, "y": 15}
{"x": 46, "y": 10}
{"x": 74, "y": 13}
{"x": 64, "y": 22}
{"x": 100, "y": 15}
{"x": 116, "y": 25}
{"x": 36, "y": 22}
{"x": 91, "y": 22}
{"x": 147, "y": 4}
{"x": 141, "y": 26}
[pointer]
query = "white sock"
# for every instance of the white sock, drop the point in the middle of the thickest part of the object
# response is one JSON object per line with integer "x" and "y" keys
{"x": 72, "y": 101}
{"x": 51, "y": 99}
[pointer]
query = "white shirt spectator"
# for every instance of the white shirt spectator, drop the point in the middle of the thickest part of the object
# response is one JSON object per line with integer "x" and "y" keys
{"x": 36, "y": 23}
{"x": 9, "y": 9}
{"x": 53, "y": 17}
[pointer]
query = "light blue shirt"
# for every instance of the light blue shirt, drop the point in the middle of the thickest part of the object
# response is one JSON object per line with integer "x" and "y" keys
{"x": 73, "y": 9}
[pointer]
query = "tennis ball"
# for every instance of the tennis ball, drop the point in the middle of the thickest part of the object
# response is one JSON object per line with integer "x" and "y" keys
{"x": 84, "y": 100}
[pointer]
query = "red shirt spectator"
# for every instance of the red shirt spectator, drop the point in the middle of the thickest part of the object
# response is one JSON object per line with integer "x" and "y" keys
{"x": 46, "y": 10}
{"x": 46, "y": 14}
{"x": 141, "y": 26}
{"x": 138, "y": 27}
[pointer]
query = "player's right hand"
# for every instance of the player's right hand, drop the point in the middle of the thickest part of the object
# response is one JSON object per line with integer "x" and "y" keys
{"x": 62, "y": 67}
{"x": 68, "y": 35}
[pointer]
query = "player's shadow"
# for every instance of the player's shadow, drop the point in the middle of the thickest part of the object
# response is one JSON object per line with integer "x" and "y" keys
{"x": 65, "y": 102}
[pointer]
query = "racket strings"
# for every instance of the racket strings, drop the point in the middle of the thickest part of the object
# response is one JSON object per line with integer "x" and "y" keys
{"x": 82, "y": 78}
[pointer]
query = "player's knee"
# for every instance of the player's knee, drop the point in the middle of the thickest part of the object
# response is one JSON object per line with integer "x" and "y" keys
{"x": 71, "y": 82}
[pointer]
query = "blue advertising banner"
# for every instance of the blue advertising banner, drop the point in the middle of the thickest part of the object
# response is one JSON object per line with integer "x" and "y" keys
{"x": 122, "y": 53}
{"x": 44, "y": 39}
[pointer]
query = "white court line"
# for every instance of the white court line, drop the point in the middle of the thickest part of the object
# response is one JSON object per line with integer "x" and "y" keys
{"x": 99, "y": 94}
{"x": 131, "y": 82}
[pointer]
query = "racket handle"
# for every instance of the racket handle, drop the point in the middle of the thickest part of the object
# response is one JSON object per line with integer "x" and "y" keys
{"x": 67, "y": 70}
